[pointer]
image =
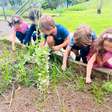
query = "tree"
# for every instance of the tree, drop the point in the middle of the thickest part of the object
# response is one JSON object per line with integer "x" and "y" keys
{"x": 4, "y": 3}
{"x": 53, "y": 3}
{"x": 16, "y": 3}
{"x": 100, "y": 4}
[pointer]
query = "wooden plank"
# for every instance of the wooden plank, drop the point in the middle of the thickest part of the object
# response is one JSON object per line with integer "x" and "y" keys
{"x": 81, "y": 68}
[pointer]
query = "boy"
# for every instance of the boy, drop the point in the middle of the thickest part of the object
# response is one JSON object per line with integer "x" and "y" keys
{"x": 56, "y": 36}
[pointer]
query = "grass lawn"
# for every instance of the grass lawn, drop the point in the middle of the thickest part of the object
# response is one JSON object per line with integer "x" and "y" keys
{"x": 8, "y": 12}
{"x": 86, "y": 14}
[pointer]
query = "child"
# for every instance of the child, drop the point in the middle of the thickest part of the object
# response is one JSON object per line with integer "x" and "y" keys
{"x": 19, "y": 28}
{"x": 56, "y": 36}
{"x": 33, "y": 31}
{"x": 22, "y": 31}
{"x": 100, "y": 54}
{"x": 80, "y": 44}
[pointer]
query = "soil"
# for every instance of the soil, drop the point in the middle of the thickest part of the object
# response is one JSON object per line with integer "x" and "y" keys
{"x": 62, "y": 99}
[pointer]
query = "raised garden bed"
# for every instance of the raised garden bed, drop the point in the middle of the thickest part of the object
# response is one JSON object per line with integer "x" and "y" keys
{"x": 80, "y": 68}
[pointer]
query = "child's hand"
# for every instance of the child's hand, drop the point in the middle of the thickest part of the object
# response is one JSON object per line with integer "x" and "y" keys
{"x": 63, "y": 67}
{"x": 56, "y": 48}
{"x": 41, "y": 44}
{"x": 88, "y": 80}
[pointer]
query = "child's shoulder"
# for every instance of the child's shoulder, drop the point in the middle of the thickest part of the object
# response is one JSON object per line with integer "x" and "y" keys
{"x": 60, "y": 27}
{"x": 62, "y": 30}
{"x": 24, "y": 22}
{"x": 108, "y": 55}
{"x": 72, "y": 41}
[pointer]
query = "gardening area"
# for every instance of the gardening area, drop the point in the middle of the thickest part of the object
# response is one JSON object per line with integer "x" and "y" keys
{"x": 31, "y": 78}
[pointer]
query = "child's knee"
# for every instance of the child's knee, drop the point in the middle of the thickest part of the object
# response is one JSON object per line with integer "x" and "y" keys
{"x": 20, "y": 36}
{"x": 50, "y": 41}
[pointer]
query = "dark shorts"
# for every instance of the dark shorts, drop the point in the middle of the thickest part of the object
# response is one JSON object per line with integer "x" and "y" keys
{"x": 84, "y": 51}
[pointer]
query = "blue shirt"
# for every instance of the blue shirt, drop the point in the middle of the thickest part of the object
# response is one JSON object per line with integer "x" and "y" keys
{"x": 62, "y": 34}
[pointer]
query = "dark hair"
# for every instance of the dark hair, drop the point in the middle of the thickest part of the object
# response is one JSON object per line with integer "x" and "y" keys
{"x": 14, "y": 20}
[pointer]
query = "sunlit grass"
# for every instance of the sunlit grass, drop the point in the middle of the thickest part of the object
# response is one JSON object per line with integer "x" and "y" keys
{"x": 71, "y": 18}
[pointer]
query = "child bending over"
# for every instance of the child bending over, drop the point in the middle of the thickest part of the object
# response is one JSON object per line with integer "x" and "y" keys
{"x": 100, "y": 54}
{"x": 56, "y": 36}
{"x": 80, "y": 43}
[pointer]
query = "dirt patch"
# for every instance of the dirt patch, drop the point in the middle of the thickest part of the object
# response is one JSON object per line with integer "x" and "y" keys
{"x": 67, "y": 100}
{"x": 24, "y": 101}
{"x": 61, "y": 99}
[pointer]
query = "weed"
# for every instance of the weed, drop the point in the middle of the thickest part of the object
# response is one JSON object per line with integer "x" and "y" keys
{"x": 97, "y": 92}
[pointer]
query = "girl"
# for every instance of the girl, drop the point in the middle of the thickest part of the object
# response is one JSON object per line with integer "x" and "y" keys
{"x": 22, "y": 31}
{"x": 80, "y": 44}
{"x": 100, "y": 54}
{"x": 19, "y": 28}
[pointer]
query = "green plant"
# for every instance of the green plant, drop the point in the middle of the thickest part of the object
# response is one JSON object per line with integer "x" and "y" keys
{"x": 97, "y": 92}
{"x": 79, "y": 83}
{"x": 6, "y": 70}
{"x": 107, "y": 87}
{"x": 38, "y": 57}
{"x": 28, "y": 67}
{"x": 6, "y": 78}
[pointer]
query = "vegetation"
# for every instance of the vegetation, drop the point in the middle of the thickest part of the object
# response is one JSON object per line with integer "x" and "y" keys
{"x": 84, "y": 13}
{"x": 27, "y": 68}
{"x": 31, "y": 66}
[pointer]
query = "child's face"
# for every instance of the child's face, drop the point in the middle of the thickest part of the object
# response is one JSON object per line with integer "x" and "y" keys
{"x": 49, "y": 32}
{"x": 108, "y": 45}
{"x": 17, "y": 26}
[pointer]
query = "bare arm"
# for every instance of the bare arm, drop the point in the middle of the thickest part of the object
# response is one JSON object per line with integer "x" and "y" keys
{"x": 13, "y": 39}
{"x": 64, "y": 44}
{"x": 43, "y": 43}
{"x": 65, "y": 58}
{"x": 89, "y": 68}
